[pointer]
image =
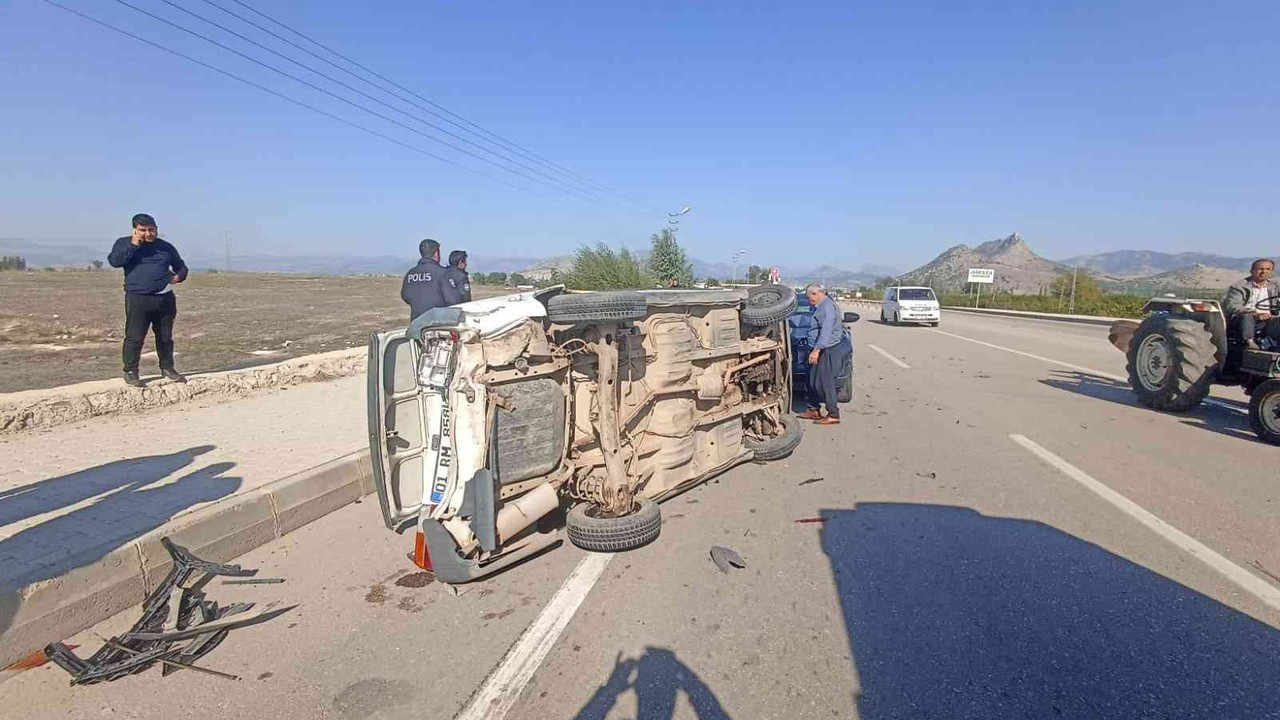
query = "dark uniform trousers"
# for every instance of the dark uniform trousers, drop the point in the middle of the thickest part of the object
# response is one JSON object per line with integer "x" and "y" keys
{"x": 156, "y": 312}
{"x": 822, "y": 377}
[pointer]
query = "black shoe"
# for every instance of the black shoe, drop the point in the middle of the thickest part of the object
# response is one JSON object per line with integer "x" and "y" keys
{"x": 173, "y": 375}
{"x": 132, "y": 380}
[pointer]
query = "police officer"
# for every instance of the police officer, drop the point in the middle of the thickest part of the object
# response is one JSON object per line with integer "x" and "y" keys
{"x": 424, "y": 284}
{"x": 458, "y": 288}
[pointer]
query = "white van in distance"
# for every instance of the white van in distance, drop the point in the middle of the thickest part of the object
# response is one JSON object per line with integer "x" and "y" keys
{"x": 910, "y": 304}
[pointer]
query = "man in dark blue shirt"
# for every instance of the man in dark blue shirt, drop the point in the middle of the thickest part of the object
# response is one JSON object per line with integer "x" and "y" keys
{"x": 151, "y": 267}
{"x": 831, "y": 347}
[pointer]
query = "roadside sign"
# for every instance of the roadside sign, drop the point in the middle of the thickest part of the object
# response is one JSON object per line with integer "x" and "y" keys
{"x": 774, "y": 275}
{"x": 982, "y": 275}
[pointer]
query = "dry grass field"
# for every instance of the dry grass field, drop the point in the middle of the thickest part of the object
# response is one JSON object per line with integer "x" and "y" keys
{"x": 61, "y": 327}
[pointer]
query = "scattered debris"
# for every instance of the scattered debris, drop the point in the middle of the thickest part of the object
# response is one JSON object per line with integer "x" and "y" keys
{"x": 723, "y": 557}
{"x": 416, "y": 580}
{"x": 175, "y": 610}
{"x": 812, "y": 480}
{"x": 34, "y": 660}
{"x": 254, "y": 581}
{"x": 930, "y": 475}
{"x": 1268, "y": 573}
{"x": 812, "y": 520}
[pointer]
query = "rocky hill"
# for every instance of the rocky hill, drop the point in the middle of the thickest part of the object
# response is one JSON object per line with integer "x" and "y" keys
{"x": 1199, "y": 277}
{"x": 1147, "y": 263}
{"x": 1018, "y": 269}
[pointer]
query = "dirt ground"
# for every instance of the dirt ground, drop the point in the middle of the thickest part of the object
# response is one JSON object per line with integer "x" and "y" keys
{"x": 61, "y": 327}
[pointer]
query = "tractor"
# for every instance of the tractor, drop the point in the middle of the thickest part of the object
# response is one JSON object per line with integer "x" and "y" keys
{"x": 1184, "y": 346}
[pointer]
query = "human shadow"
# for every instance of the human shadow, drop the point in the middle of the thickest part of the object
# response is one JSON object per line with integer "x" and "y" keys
{"x": 128, "y": 510}
{"x": 657, "y": 677}
{"x": 954, "y": 614}
{"x": 1222, "y": 416}
{"x": 38, "y": 498}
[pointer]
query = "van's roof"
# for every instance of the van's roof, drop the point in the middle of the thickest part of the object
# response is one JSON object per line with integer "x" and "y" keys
{"x": 910, "y": 287}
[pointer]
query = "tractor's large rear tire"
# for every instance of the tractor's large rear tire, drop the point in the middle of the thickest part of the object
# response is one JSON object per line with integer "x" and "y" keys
{"x": 1172, "y": 363}
{"x": 1264, "y": 411}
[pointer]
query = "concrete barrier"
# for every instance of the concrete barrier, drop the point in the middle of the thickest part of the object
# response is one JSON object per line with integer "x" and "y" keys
{"x": 1054, "y": 317}
{"x": 49, "y": 407}
{"x": 35, "y": 614}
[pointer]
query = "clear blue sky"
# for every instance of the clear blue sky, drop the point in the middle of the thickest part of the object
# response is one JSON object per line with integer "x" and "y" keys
{"x": 859, "y": 132}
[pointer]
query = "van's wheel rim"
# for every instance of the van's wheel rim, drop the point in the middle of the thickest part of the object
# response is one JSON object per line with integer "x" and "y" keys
{"x": 1154, "y": 362}
{"x": 1269, "y": 413}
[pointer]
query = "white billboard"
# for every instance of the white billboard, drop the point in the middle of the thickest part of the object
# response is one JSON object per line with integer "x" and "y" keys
{"x": 982, "y": 275}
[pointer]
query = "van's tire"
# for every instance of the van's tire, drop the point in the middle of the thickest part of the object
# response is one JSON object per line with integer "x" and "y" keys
{"x": 1171, "y": 362}
{"x": 597, "y": 306}
{"x": 591, "y": 532}
{"x": 768, "y": 304}
{"x": 776, "y": 448}
{"x": 1264, "y": 411}
{"x": 933, "y": 324}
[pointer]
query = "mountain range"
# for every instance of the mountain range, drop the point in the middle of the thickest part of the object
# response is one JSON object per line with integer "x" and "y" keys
{"x": 1018, "y": 268}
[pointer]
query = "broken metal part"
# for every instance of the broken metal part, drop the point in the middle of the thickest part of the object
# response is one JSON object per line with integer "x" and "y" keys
{"x": 231, "y": 623}
{"x": 723, "y": 557}
{"x": 254, "y": 581}
{"x": 176, "y": 609}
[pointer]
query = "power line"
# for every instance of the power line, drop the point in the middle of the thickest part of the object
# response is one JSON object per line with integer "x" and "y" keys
{"x": 494, "y": 136}
{"x": 442, "y": 114}
{"x": 294, "y": 101}
{"x": 340, "y": 98}
{"x": 460, "y": 138}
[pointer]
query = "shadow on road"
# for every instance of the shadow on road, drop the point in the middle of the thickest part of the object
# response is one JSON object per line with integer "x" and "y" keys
{"x": 1224, "y": 416}
{"x": 658, "y": 678}
{"x": 953, "y": 614}
{"x": 127, "y": 499}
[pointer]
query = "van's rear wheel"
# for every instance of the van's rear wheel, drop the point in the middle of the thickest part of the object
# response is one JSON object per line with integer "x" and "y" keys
{"x": 768, "y": 304}
{"x": 779, "y": 446}
{"x": 597, "y": 306}
{"x": 589, "y": 530}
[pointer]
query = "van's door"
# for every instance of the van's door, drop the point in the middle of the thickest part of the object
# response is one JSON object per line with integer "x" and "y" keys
{"x": 397, "y": 427}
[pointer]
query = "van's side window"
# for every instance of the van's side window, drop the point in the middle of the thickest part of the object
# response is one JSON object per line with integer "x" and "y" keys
{"x": 893, "y": 295}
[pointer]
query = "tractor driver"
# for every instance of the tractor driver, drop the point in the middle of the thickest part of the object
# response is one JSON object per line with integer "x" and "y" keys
{"x": 1246, "y": 304}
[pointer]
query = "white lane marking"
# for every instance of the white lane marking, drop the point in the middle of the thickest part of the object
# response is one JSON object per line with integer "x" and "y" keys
{"x": 503, "y": 687}
{"x": 890, "y": 358}
{"x": 1081, "y": 368}
{"x": 1251, "y": 583}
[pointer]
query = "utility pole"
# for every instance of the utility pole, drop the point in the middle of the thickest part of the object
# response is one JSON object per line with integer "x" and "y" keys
{"x": 228, "y": 249}
{"x": 1074, "y": 273}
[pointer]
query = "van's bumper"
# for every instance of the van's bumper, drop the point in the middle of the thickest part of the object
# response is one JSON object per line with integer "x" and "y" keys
{"x": 450, "y": 568}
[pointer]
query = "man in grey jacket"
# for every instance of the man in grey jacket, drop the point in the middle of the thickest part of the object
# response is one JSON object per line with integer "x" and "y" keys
{"x": 831, "y": 347}
{"x": 1246, "y": 304}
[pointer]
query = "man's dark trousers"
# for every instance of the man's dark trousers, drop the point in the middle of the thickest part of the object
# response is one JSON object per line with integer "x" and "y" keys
{"x": 1249, "y": 326}
{"x": 822, "y": 379}
{"x": 149, "y": 311}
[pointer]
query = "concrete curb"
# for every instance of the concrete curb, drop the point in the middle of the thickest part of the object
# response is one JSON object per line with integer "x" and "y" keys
{"x": 1055, "y": 317}
{"x": 50, "y": 407}
{"x": 37, "y": 613}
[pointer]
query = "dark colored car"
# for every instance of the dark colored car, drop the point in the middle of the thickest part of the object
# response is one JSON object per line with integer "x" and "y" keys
{"x": 798, "y": 326}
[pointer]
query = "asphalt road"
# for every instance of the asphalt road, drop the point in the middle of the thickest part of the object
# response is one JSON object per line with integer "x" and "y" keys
{"x": 1005, "y": 535}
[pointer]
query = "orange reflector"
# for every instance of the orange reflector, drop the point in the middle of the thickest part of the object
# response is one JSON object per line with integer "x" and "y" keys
{"x": 421, "y": 557}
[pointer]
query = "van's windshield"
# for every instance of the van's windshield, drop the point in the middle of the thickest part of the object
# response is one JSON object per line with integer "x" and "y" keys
{"x": 916, "y": 294}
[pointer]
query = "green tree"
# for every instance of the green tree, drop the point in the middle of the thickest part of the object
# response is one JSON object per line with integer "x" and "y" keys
{"x": 1087, "y": 289}
{"x": 712, "y": 282}
{"x": 603, "y": 268}
{"x": 756, "y": 275}
{"x": 667, "y": 262}
{"x": 12, "y": 262}
{"x": 885, "y": 282}
{"x": 518, "y": 279}
{"x": 97, "y": 264}
{"x": 497, "y": 278}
